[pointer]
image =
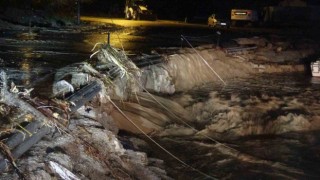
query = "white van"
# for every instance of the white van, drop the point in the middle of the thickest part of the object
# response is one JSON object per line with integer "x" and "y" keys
{"x": 244, "y": 15}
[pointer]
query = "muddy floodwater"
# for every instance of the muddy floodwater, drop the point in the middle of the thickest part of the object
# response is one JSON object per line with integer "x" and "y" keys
{"x": 27, "y": 57}
{"x": 298, "y": 152}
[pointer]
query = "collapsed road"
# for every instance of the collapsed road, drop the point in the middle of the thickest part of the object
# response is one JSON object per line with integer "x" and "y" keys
{"x": 167, "y": 94}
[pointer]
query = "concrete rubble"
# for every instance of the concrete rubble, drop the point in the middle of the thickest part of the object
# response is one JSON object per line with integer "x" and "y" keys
{"x": 84, "y": 148}
{"x": 90, "y": 152}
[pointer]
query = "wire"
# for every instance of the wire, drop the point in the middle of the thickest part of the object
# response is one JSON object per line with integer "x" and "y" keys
{"x": 185, "y": 123}
{"x": 161, "y": 147}
{"x": 168, "y": 152}
{"x": 204, "y": 60}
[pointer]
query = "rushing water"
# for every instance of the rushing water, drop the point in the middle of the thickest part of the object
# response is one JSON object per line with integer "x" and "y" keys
{"x": 28, "y": 57}
{"x": 290, "y": 155}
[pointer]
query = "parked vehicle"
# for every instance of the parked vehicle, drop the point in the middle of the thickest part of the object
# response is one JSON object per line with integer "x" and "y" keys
{"x": 137, "y": 9}
{"x": 315, "y": 68}
{"x": 215, "y": 22}
{"x": 244, "y": 16}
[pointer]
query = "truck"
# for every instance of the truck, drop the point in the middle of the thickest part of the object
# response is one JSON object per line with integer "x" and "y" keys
{"x": 244, "y": 16}
{"x": 138, "y": 9}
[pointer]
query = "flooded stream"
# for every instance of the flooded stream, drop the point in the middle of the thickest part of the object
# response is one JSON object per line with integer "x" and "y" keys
{"x": 26, "y": 58}
{"x": 261, "y": 153}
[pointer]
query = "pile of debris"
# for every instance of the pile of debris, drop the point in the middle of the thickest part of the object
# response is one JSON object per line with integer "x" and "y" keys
{"x": 79, "y": 142}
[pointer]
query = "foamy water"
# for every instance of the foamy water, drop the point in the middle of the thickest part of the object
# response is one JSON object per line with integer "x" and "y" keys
{"x": 270, "y": 122}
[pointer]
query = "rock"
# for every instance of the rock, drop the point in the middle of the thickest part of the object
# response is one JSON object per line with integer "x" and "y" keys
{"x": 88, "y": 151}
{"x": 62, "y": 172}
{"x": 79, "y": 79}
{"x": 156, "y": 79}
{"x": 137, "y": 157}
{"x": 108, "y": 123}
{"x": 61, "y": 88}
{"x": 156, "y": 162}
{"x": 60, "y": 158}
{"x": 139, "y": 144}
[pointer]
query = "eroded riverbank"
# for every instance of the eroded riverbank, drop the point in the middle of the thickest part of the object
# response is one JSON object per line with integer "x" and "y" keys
{"x": 266, "y": 118}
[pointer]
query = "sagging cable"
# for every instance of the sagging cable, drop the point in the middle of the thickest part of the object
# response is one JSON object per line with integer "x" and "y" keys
{"x": 156, "y": 143}
{"x": 204, "y": 60}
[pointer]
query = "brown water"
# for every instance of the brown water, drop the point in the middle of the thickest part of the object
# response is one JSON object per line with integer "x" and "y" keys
{"x": 27, "y": 58}
{"x": 263, "y": 154}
